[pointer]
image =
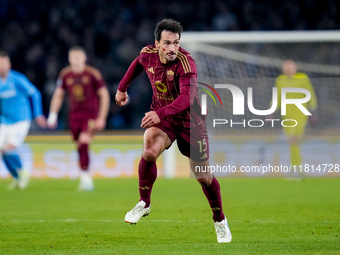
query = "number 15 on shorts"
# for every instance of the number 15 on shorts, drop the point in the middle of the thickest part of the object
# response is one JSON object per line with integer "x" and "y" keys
{"x": 202, "y": 145}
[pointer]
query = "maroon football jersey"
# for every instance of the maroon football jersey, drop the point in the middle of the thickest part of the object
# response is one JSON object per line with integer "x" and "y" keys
{"x": 174, "y": 85}
{"x": 82, "y": 91}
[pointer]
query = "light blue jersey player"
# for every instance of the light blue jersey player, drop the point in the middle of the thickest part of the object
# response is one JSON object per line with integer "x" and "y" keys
{"x": 20, "y": 102}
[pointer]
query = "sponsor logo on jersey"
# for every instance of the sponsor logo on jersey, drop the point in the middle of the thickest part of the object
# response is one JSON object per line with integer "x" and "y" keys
{"x": 78, "y": 92}
{"x": 162, "y": 96}
{"x": 170, "y": 75}
{"x": 8, "y": 94}
{"x": 161, "y": 86}
{"x": 151, "y": 70}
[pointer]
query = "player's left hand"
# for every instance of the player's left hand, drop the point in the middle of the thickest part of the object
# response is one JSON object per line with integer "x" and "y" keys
{"x": 41, "y": 121}
{"x": 151, "y": 118}
{"x": 99, "y": 124}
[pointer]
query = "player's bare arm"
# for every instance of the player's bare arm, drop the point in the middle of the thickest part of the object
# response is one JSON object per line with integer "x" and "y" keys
{"x": 151, "y": 118}
{"x": 104, "y": 102}
{"x": 121, "y": 98}
{"x": 56, "y": 102}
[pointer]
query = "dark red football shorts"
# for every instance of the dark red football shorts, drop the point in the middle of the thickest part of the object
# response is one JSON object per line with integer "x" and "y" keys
{"x": 81, "y": 125}
{"x": 192, "y": 142}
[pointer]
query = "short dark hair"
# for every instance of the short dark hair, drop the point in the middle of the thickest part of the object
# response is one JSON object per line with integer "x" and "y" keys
{"x": 77, "y": 48}
{"x": 168, "y": 25}
{"x": 4, "y": 53}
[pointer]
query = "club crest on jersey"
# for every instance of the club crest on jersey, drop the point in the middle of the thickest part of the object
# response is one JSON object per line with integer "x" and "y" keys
{"x": 69, "y": 81}
{"x": 161, "y": 86}
{"x": 170, "y": 75}
{"x": 85, "y": 80}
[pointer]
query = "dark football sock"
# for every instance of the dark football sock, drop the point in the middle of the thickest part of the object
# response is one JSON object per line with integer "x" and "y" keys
{"x": 147, "y": 172}
{"x": 83, "y": 150}
{"x": 213, "y": 194}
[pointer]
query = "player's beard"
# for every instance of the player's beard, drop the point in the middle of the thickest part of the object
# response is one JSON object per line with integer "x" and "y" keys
{"x": 170, "y": 58}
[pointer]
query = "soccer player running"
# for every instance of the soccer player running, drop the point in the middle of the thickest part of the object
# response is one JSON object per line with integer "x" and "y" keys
{"x": 293, "y": 79}
{"x": 174, "y": 114}
{"x": 89, "y": 105}
{"x": 20, "y": 102}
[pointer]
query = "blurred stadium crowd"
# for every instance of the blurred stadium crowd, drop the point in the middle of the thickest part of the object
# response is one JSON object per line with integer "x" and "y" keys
{"x": 38, "y": 34}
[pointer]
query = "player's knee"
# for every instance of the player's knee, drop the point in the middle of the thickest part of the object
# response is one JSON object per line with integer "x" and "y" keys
{"x": 205, "y": 182}
{"x": 150, "y": 154}
{"x": 84, "y": 138}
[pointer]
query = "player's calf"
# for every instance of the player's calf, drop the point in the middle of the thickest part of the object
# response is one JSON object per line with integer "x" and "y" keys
{"x": 84, "y": 159}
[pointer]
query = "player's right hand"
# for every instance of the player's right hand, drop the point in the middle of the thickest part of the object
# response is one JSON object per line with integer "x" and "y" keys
{"x": 52, "y": 120}
{"x": 122, "y": 98}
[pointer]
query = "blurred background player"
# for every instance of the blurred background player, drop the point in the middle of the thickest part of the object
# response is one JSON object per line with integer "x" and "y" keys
{"x": 89, "y": 105}
{"x": 20, "y": 101}
{"x": 290, "y": 79}
{"x": 175, "y": 114}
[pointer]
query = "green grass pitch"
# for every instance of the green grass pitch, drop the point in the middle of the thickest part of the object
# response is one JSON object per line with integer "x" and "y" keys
{"x": 266, "y": 216}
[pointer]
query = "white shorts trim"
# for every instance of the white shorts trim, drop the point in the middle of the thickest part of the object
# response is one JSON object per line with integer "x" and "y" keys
{"x": 14, "y": 134}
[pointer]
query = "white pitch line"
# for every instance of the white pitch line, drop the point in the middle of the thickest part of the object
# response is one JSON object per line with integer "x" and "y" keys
{"x": 149, "y": 220}
{"x": 86, "y": 220}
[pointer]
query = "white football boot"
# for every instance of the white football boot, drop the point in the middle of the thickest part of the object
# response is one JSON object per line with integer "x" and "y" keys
{"x": 222, "y": 231}
{"x": 86, "y": 182}
{"x": 137, "y": 212}
{"x": 24, "y": 179}
{"x": 13, "y": 185}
